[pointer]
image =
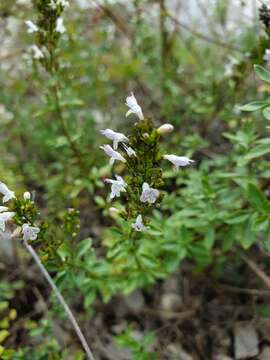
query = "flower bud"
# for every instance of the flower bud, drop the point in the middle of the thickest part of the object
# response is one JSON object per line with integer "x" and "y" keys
{"x": 165, "y": 129}
{"x": 113, "y": 211}
{"x": 27, "y": 195}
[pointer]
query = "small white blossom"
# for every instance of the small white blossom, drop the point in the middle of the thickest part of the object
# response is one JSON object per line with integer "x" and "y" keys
{"x": 266, "y": 56}
{"x": 4, "y": 217}
{"x": 27, "y": 195}
{"x": 60, "y": 27}
{"x": 228, "y": 68}
{"x": 129, "y": 151}
{"x": 31, "y": 27}
{"x": 178, "y": 160}
{"x": 30, "y": 232}
{"x": 114, "y": 155}
{"x": 55, "y": 3}
{"x": 118, "y": 185}
{"x": 149, "y": 194}
{"x": 165, "y": 129}
{"x": 3, "y": 208}
{"x": 134, "y": 107}
{"x": 8, "y": 194}
{"x": 115, "y": 136}
{"x": 138, "y": 225}
{"x": 37, "y": 53}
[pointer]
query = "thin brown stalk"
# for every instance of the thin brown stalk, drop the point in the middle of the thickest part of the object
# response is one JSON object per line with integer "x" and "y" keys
{"x": 62, "y": 301}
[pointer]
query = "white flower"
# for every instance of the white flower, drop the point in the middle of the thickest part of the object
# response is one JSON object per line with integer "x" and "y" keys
{"x": 63, "y": 3}
{"x": 178, "y": 160}
{"x": 149, "y": 195}
{"x": 138, "y": 225}
{"x": 266, "y": 56}
{"x": 166, "y": 128}
{"x": 37, "y": 53}
{"x": 3, "y": 208}
{"x": 118, "y": 185}
{"x": 27, "y": 195}
{"x": 60, "y": 27}
{"x": 4, "y": 217}
{"x": 114, "y": 155}
{"x": 129, "y": 151}
{"x": 134, "y": 107}
{"x": 115, "y": 136}
{"x": 228, "y": 68}
{"x": 31, "y": 27}
{"x": 30, "y": 232}
{"x": 8, "y": 194}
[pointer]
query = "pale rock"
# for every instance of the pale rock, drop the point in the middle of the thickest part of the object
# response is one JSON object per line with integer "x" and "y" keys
{"x": 246, "y": 341}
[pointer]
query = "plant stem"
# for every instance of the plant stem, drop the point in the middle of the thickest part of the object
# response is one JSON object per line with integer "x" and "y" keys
{"x": 64, "y": 128}
{"x": 61, "y": 300}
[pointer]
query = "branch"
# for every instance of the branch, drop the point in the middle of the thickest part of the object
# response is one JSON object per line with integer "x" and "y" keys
{"x": 203, "y": 36}
{"x": 255, "y": 268}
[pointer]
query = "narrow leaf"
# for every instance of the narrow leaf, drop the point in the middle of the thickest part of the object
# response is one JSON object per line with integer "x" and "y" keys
{"x": 262, "y": 73}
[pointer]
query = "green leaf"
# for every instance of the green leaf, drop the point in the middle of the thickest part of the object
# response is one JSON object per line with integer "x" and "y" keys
{"x": 248, "y": 237}
{"x": 254, "y": 105}
{"x": 63, "y": 251}
{"x": 262, "y": 73}
{"x": 89, "y": 299}
{"x": 209, "y": 238}
{"x": 257, "y": 198}
{"x": 148, "y": 261}
{"x": 258, "y": 150}
{"x": 236, "y": 218}
{"x": 266, "y": 112}
{"x": 3, "y": 335}
{"x": 83, "y": 247}
{"x": 267, "y": 239}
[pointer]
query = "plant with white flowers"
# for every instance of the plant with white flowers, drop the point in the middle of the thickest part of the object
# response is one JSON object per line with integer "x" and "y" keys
{"x": 23, "y": 214}
{"x": 141, "y": 154}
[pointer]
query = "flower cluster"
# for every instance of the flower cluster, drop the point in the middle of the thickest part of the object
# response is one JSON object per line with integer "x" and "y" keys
{"x": 141, "y": 155}
{"x": 47, "y": 31}
{"x": 28, "y": 231}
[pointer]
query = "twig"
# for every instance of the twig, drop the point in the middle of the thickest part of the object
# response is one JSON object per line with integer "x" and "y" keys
{"x": 203, "y": 36}
{"x": 169, "y": 314}
{"x": 254, "y": 267}
{"x": 238, "y": 290}
{"x": 61, "y": 300}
